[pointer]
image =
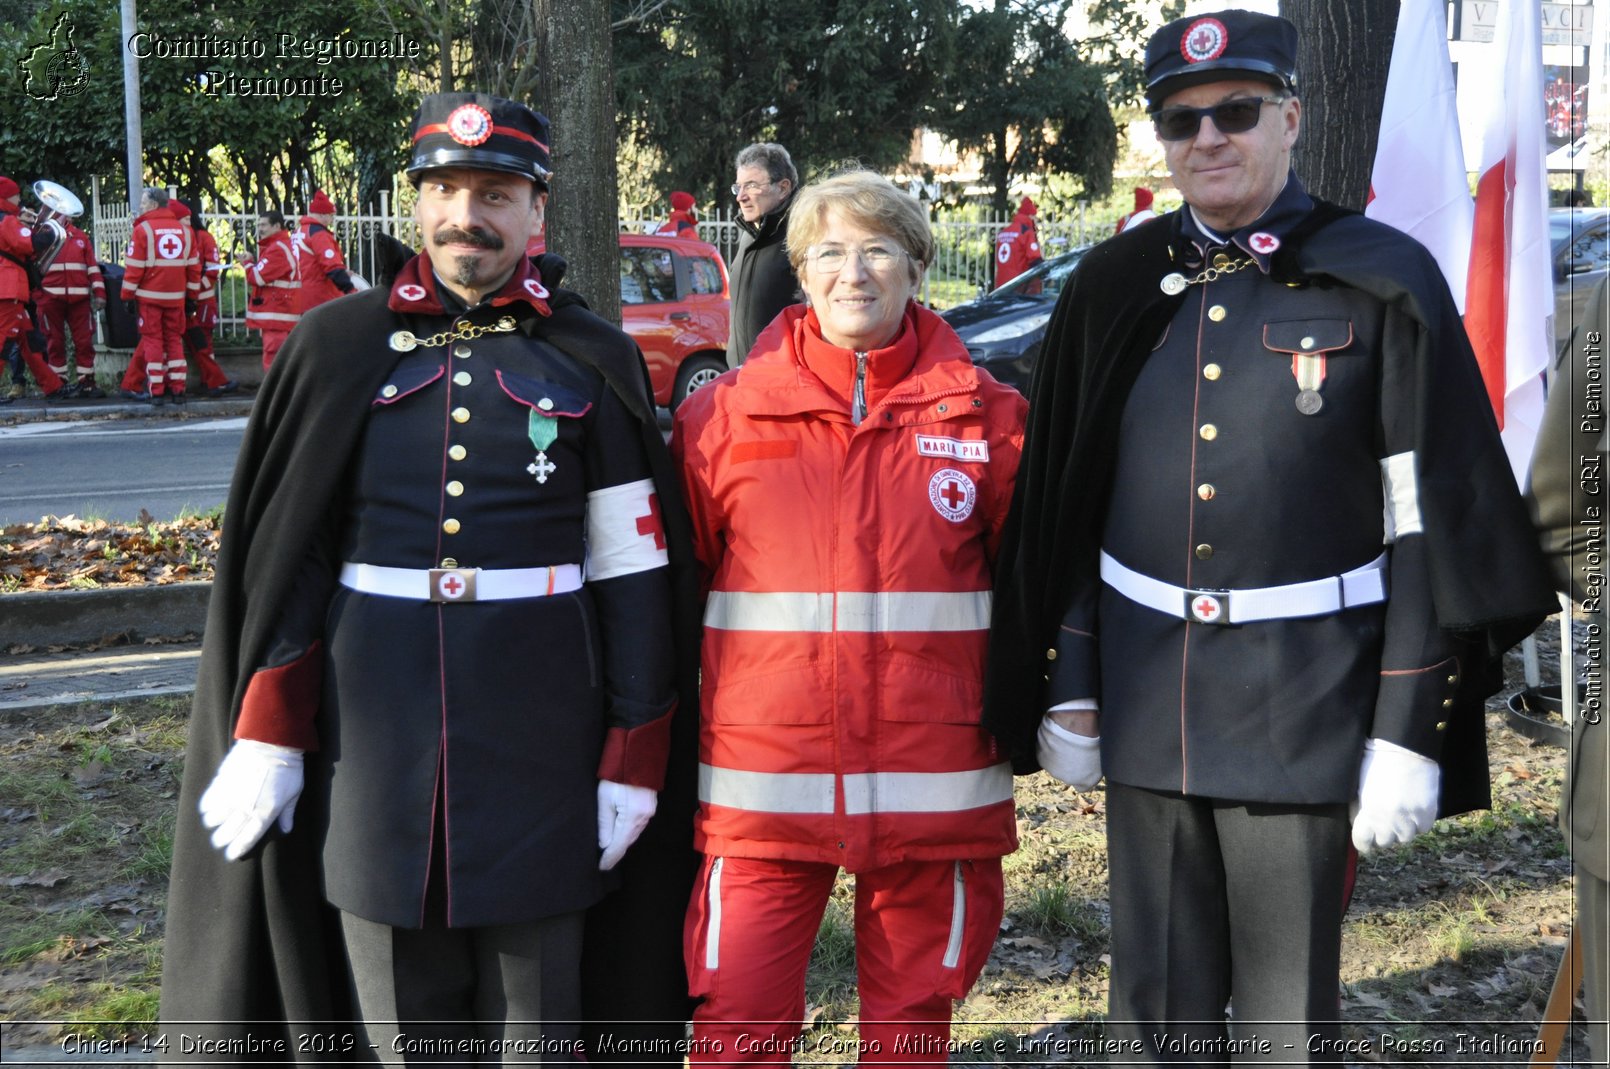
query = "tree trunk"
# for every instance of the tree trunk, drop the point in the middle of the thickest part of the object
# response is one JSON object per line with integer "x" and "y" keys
{"x": 576, "y": 91}
{"x": 1344, "y": 48}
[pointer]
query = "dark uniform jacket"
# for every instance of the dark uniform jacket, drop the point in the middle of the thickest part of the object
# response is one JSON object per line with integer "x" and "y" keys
{"x": 1165, "y": 428}
{"x": 763, "y": 283}
{"x": 479, "y": 726}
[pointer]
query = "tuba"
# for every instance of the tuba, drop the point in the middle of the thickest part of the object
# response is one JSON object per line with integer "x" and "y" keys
{"x": 54, "y": 200}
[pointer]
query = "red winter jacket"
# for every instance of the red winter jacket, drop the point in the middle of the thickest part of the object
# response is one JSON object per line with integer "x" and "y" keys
{"x": 319, "y": 265}
{"x": 74, "y": 274}
{"x": 272, "y": 279}
{"x": 16, "y": 249}
{"x": 160, "y": 266}
{"x": 1017, "y": 247}
{"x": 848, "y": 578}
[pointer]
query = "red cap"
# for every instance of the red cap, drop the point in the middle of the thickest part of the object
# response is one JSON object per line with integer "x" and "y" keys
{"x": 1143, "y": 198}
{"x": 320, "y": 204}
{"x": 1027, "y": 207}
{"x": 8, "y": 188}
{"x": 179, "y": 209}
{"x": 681, "y": 201}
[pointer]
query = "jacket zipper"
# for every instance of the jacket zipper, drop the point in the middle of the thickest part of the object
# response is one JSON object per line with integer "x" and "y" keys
{"x": 712, "y": 930}
{"x": 858, "y": 403}
{"x": 958, "y": 919}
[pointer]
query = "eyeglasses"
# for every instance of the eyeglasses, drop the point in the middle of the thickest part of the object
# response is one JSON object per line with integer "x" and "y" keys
{"x": 1230, "y": 117}
{"x": 831, "y": 259}
{"x": 751, "y": 188}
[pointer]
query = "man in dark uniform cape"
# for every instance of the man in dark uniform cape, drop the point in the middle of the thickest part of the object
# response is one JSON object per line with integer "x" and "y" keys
{"x": 1264, "y": 554}
{"x": 457, "y": 594}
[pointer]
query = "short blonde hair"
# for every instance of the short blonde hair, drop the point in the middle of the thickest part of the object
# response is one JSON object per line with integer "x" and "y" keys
{"x": 868, "y": 200}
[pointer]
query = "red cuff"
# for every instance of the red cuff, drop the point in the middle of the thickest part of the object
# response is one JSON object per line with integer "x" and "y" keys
{"x": 637, "y": 756}
{"x": 280, "y": 703}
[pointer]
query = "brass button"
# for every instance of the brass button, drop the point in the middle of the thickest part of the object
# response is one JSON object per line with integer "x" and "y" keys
{"x": 458, "y": 452}
{"x": 448, "y": 562}
{"x": 1221, "y": 259}
{"x": 389, "y": 391}
{"x": 1204, "y": 551}
{"x": 1442, "y": 725}
{"x": 1447, "y": 703}
{"x": 1217, "y": 313}
{"x": 1208, "y": 432}
{"x": 1452, "y": 680}
{"x": 1050, "y": 655}
{"x": 1212, "y": 373}
{"x": 462, "y": 379}
{"x": 455, "y": 488}
{"x": 461, "y": 415}
{"x": 1206, "y": 491}
{"x": 1307, "y": 343}
{"x": 546, "y": 404}
{"x": 461, "y": 350}
{"x": 451, "y": 526}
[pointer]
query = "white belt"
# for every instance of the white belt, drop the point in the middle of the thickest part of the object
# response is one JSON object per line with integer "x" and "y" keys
{"x": 461, "y": 584}
{"x": 1364, "y": 585}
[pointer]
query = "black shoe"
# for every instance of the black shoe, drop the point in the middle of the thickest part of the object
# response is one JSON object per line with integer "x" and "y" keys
{"x": 5, "y": 398}
{"x": 89, "y": 391}
{"x": 229, "y": 386}
{"x": 64, "y": 392}
{"x": 158, "y": 400}
{"x": 176, "y": 398}
{"x": 135, "y": 395}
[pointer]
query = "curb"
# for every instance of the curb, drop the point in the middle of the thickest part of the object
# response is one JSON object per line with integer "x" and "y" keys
{"x": 43, "y": 618}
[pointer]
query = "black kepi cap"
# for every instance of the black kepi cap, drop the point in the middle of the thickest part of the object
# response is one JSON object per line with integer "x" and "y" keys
{"x": 481, "y": 131}
{"x": 1220, "y": 47}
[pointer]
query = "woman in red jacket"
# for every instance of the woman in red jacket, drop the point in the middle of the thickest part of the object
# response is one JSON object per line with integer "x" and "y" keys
{"x": 848, "y": 485}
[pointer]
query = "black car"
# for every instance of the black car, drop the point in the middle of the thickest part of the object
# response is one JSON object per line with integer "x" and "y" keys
{"x": 1580, "y": 244}
{"x": 1003, "y": 329}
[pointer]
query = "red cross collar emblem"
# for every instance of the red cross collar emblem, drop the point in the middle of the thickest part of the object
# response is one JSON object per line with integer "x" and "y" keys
{"x": 1263, "y": 243}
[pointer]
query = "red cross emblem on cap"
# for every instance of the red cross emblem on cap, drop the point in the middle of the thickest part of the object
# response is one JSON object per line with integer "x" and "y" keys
{"x": 1203, "y": 40}
{"x": 1263, "y": 242}
{"x": 1207, "y": 608}
{"x": 469, "y": 124}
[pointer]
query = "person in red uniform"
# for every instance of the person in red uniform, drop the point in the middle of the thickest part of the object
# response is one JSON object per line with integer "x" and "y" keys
{"x": 162, "y": 275}
{"x": 319, "y": 264}
{"x": 71, "y": 294}
{"x": 19, "y": 341}
{"x": 683, "y": 223}
{"x": 199, "y": 325}
{"x": 1143, "y": 211}
{"x": 273, "y": 282}
{"x": 843, "y": 649}
{"x": 1017, "y": 246}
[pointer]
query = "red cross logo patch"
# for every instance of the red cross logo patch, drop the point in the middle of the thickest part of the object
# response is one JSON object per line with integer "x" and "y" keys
{"x": 450, "y": 586}
{"x": 1204, "y": 39}
{"x": 1263, "y": 243}
{"x": 952, "y": 494}
{"x": 1207, "y": 609}
{"x": 469, "y": 124}
{"x": 169, "y": 246}
{"x": 411, "y": 292}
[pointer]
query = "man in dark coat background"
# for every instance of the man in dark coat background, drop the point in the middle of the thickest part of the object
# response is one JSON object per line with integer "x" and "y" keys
{"x": 450, "y": 601}
{"x": 763, "y": 282}
{"x": 1264, "y": 551}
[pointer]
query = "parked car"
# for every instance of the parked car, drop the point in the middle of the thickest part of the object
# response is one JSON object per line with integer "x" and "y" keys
{"x": 676, "y": 306}
{"x": 1580, "y": 242}
{"x": 1003, "y": 329}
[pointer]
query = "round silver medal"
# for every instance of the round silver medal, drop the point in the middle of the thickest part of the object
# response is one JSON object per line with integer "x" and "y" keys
{"x": 1309, "y": 402}
{"x": 1172, "y": 283}
{"x": 403, "y": 341}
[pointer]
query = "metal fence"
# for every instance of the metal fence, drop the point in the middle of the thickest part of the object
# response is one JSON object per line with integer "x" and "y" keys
{"x": 963, "y": 267}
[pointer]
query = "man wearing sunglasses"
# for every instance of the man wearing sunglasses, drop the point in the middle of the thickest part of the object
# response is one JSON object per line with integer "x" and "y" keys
{"x": 1240, "y": 579}
{"x": 763, "y": 283}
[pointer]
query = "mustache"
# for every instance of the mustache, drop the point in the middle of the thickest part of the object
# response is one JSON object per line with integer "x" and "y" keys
{"x": 478, "y": 238}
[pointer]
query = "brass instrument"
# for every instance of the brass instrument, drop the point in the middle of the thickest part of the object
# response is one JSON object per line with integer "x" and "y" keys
{"x": 54, "y": 200}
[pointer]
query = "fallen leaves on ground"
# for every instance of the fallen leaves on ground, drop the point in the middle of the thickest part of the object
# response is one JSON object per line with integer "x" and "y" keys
{"x": 68, "y": 553}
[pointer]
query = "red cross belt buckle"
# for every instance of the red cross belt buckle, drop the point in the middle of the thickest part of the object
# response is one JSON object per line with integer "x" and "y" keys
{"x": 1208, "y": 607}
{"x": 452, "y": 584}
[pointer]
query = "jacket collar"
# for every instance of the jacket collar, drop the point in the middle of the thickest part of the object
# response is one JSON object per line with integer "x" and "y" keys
{"x": 417, "y": 291}
{"x": 1259, "y": 239}
{"x": 773, "y": 221}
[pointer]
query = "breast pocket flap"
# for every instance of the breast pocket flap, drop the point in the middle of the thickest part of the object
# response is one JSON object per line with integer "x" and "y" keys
{"x": 1308, "y": 335}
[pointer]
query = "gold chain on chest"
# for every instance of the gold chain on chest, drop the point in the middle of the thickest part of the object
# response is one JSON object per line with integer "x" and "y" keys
{"x": 405, "y": 340}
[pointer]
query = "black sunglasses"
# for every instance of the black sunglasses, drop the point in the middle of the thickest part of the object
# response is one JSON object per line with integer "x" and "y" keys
{"x": 1231, "y": 117}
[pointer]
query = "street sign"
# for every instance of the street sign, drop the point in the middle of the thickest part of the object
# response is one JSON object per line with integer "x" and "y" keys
{"x": 1563, "y": 24}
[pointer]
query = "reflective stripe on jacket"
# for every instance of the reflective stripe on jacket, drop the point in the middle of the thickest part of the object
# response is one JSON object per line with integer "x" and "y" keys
{"x": 272, "y": 279}
{"x": 161, "y": 266}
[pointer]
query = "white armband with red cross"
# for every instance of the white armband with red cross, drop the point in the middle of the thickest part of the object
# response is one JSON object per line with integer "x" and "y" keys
{"x": 624, "y": 532}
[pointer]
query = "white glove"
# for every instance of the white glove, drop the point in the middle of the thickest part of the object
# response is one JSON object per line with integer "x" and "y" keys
{"x": 255, "y": 783}
{"x": 1073, "y": 758}
{"x": 1397, "y": 795}
{"x": 623, "y": 812}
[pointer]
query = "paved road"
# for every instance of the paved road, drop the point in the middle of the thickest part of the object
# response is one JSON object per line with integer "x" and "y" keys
{"x": 113, "y": 469}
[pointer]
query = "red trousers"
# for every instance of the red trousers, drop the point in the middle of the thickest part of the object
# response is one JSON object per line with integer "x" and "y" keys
{"x": 60, "y": 316}
{"x": 923, "y": 930}
{"x": 15, "y": 325}
{"x": 205, "y": 319}
{"x": 161, "y": 347}
{"x": 272, "y": 340}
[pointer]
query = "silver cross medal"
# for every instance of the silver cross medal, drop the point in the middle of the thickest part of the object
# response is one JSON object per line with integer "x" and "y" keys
{"x": 542, "y": 467}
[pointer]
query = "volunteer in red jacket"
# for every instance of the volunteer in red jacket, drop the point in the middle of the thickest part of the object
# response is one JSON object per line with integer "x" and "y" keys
{"x": 199, "y": 324}
{"x": 19, "y": 242}
{"x": 272, "y": 282}
{"x": 162, "y": 274}
{"x": 682, "y": 223}
{"x": 323, "y": 272}
{"x": 848, "y": 484}
{"x": 1017, "y": 246}
{"x": 71, "y": 294}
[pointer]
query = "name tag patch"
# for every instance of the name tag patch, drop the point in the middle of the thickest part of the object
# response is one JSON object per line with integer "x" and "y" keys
{"x": 954, "y": 448}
